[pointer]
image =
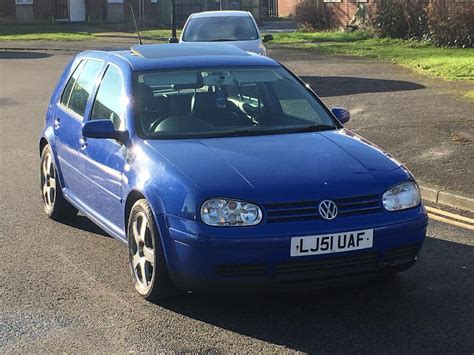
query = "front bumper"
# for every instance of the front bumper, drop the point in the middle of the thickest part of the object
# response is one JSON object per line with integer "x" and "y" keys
{"x": 257, "y": 263}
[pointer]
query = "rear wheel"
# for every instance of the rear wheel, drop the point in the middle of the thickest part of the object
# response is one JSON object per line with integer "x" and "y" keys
{"x": 146, "y": 257}
{"x": 54, "y": 203}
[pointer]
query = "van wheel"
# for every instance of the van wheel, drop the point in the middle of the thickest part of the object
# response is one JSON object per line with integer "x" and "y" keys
{"x": 149, "y": 270}
{"x": 54, "y": 203}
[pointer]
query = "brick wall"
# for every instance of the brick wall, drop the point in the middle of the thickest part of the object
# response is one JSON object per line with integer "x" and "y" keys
{"x": 43, "y": 9}
{"x": 286, "y": 7}
{"x": 340, "y": 12}
{"x": 7, "y": 8}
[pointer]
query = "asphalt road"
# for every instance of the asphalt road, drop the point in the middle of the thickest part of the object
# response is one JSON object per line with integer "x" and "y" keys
{"x": 66, "y": 287}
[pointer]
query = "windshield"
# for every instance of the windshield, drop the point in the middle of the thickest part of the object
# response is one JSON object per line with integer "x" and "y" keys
{"x": 214, "y": 29}
{"x": 225, "y": 102}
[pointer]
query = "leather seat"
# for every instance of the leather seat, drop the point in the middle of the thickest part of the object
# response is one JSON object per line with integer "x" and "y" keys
{"x": 204, "y": 106}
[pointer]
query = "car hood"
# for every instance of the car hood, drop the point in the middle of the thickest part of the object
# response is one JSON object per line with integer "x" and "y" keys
{"x": 284, "y": 167}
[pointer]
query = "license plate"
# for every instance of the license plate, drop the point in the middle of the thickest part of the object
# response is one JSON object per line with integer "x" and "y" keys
{"x": 332, "y": 243}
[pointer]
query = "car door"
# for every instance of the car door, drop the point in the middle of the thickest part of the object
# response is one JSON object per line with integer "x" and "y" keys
{"x": 68, "y": 121}
{"x": 103, "y": 159}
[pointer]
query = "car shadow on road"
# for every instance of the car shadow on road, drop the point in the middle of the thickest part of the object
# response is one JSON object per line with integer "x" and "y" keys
{"x": 327, "y": 86}
{"x": 83, "y": 223}
{"x": 23, "y": 55}
{"x": 426, "y": 308}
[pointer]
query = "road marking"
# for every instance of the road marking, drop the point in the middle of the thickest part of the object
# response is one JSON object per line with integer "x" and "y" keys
{"x": 450, "y": 218}
{"x": 451, "y": 215}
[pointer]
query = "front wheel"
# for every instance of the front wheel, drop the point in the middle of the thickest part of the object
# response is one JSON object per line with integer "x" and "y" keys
{"x": 54, "y": 203}
{"x": 146, "y": 257}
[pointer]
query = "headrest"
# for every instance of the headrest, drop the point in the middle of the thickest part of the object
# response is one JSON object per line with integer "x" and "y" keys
{"x": 204, "y": 101}
{"x": 146, "y": 99}
{"x": 143, "y": 92}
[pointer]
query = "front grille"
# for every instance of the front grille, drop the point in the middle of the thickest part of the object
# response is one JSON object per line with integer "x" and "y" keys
{"x": 308, "y": 210}
{"x": 330, "y": 267}
{"x": 240, "y": 270}
{"x": 358, "y": 205}
{"x": 289, "y": 212}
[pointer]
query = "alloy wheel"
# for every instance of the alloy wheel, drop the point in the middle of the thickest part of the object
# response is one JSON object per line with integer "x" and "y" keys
{"x": 48, "y": 181}
{"x": 142, "y": 252}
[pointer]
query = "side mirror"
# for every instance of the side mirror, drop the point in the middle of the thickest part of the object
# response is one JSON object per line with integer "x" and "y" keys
{"x": 267, "y": 38}
{"x": 102, "y": 129}
{"x": 174, "y": 40}
{"x": 341, "y": 113}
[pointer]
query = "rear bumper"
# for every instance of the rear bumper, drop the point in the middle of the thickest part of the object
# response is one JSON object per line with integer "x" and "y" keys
{"x": 264, "y": 264}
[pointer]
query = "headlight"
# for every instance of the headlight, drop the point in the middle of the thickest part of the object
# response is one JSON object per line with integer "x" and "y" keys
{"x": 223, "y": 212}
{"x": 401, "y": 197}
{"x": 262, "y": 50}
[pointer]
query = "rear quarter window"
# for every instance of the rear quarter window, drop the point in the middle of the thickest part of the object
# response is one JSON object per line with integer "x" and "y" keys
{"x": 70, "y": 84}
{"x": 80, "y": 86}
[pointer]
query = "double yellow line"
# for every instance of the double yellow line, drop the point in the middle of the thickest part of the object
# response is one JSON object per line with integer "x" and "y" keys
{"x": 450, "y": 218}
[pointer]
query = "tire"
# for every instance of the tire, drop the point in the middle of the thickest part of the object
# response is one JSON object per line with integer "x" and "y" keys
{"x": 147, "y": 262}
{"x": 54, "y": 203}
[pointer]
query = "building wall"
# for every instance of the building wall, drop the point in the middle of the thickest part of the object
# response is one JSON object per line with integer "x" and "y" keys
{"x": 7, "y": 9}
{"x": 287, "y": 7}
{"x": 115, "y": 13}
{"x": 43, "y": 9}
{"x": 340, "y": 13}
{"x": 24, "y": 13}
{"x": 158, "y": 13}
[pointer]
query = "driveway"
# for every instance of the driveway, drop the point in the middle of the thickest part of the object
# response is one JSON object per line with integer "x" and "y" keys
{"x": 421, "y": 121}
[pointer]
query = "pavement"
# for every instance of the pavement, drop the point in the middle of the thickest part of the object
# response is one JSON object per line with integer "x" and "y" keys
{"x": 65, "y": 287}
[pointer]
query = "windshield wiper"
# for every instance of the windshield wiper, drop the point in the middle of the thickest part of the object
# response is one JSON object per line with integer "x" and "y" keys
{"x": 314, "y": 128}
{"x": 223, "y": 40}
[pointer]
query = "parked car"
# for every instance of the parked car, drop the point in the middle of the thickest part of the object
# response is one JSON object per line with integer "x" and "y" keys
{"x": 222, "y": 171}
{"x": 233, "y": 27}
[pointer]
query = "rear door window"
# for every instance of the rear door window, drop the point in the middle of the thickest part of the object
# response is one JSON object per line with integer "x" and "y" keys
{"x": 83, "y": 86}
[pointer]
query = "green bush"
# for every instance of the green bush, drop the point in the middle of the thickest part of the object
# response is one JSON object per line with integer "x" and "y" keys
{"x": 312, "y": 15}
{"x": 451, "y": 24}
{"x": 405, "y": 19}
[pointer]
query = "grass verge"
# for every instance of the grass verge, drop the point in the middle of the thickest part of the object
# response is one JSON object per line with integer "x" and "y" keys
{"x": 45, "y": 32}
{"x": 80, "y": 32}
{"x": 423, "y": 57}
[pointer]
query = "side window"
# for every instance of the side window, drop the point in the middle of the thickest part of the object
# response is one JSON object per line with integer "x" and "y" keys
{"x": 83, "y": 86}
{"x": 109, "y": 102}
{"x": 70, "y": 84}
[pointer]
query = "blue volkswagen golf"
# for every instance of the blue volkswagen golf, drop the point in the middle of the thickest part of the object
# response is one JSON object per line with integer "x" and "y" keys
{"x": 222, "y": 171}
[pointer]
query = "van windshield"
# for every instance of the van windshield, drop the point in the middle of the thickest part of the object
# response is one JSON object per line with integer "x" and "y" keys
{"x": 221, "y": 102}
{"x": 220, "y": 29}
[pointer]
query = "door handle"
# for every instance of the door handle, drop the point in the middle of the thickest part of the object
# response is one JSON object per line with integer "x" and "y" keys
{"x": 83, "y": 143}
{"x": 57, "y": 123}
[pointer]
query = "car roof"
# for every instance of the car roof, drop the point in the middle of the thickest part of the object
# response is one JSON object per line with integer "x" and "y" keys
{"x": 187, "y": 55}
{"x": 220, "y": 14}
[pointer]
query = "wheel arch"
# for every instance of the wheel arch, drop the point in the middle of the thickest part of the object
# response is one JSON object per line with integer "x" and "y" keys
{"x": 43, "y": 143}
{"x": 132, "y": 197}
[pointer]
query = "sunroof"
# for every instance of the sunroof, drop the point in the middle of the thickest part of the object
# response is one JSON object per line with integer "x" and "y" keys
{"x": 156, "y": 51}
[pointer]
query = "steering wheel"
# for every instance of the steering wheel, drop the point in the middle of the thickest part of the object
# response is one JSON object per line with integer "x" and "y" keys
{"x": 156, "y": 122}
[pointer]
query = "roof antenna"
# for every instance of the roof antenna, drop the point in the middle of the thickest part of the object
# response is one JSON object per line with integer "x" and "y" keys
{"x": 135, "y": 22}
